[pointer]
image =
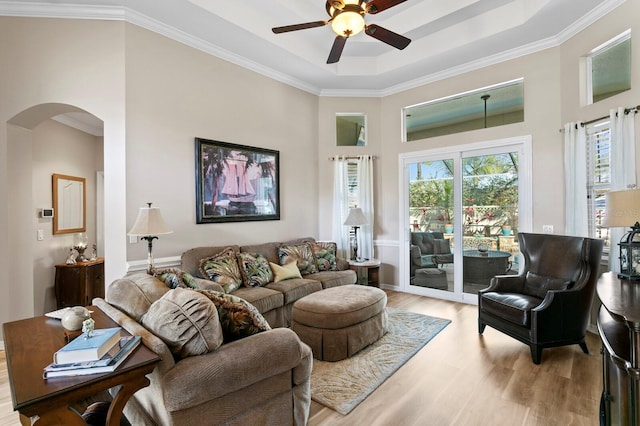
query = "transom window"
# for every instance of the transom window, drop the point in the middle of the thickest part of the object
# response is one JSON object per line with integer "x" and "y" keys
{"x": 609, "y": 68}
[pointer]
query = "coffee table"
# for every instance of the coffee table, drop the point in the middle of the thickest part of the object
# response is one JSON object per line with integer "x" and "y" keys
{"x": 29, "y": 347}
{"x": 481, "y": 266}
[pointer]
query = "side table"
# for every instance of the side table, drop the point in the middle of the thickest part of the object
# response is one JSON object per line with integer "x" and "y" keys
{"x": 368, "y": 271}
{"x": 29, "y": 347}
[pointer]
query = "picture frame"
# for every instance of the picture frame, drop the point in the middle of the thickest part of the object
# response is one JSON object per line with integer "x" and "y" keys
{"x": 236, "y": 183}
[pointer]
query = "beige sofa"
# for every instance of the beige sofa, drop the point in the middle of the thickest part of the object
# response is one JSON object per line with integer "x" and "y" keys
{"x": 259, "y": 379}
{"x": 275, "y": 300}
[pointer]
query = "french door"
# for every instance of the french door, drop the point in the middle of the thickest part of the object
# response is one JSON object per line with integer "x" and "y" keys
{"x": 461, "y": 210}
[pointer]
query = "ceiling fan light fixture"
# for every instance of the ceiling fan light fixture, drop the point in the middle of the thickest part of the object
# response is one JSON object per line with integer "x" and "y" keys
{"x": 347, "y": 23}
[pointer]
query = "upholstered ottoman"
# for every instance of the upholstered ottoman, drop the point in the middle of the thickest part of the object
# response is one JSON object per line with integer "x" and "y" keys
{"x": 431, "y": 277}
{"x": 340, "y": 321}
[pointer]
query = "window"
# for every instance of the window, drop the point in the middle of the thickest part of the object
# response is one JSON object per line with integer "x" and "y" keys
{"x": 599, "y": 176}
{"x": 352, "y": 183}
{"x": 609, "y": 68}
{"x": 490, "y": 106}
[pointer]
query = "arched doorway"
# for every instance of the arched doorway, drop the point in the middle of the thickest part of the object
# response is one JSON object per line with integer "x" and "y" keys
{"x": 30, "y": 258}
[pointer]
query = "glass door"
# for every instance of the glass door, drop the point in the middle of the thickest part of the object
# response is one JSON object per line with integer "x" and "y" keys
{"x": 461, "y": 211}
{"x": 432, "y": 222}
{"x": 490, "y": 217}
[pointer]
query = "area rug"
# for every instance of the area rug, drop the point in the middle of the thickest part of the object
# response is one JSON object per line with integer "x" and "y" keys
{"x": 342, "y": 385}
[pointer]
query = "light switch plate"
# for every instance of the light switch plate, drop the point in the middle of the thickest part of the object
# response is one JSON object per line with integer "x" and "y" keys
{"x": 547, "y": 229}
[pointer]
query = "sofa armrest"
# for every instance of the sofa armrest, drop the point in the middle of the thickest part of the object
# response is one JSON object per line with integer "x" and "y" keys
{"x": 234, "y": 366}
{"x": 149, "y": 339}
{"x": 342, "y": 264}
{"x": 205, "y": 284}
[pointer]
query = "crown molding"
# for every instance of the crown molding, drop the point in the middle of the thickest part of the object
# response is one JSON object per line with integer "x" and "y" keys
{"x": 77, "y": 124}
{"x": 16, "y": 8}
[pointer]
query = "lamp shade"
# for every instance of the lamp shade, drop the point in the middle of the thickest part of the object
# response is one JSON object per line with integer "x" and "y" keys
{"x": 149, "y": 222}
{"x": 356, "y": 217}
{"x": 623, "y": 208}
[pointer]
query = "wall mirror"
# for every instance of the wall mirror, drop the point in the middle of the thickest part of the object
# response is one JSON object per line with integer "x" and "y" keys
{"x": 69, "y": 204}
{"x": 351, "y": 129}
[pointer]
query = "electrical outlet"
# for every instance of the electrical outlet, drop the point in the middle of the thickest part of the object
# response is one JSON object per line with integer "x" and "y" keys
{"x": 547, "y": 229}
{"x": 40, "y": 235}
{"x": 133, "y": 239}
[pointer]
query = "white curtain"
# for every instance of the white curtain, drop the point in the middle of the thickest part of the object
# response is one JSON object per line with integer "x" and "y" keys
{"x": 365, "y": 202}
{"x": 623, "y": 169}
{"x": 575, "y": 188}
{"x": 340, "y": 207}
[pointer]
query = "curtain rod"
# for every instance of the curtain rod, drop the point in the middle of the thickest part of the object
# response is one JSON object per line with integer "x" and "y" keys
{"x": 634, "y": 109}
{"x": 350, "y": 157}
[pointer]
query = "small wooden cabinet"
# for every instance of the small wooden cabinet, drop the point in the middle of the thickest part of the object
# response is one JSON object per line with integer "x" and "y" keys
{"x": 77, "y": 285}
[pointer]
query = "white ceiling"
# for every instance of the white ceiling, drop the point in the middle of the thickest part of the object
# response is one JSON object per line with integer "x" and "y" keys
{"x": 448, "y": 36}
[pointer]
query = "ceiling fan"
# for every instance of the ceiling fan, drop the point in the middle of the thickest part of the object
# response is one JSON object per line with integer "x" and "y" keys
{"x": 347, "y": 19}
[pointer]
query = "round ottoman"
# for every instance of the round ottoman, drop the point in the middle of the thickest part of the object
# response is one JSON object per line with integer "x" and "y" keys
{"x": 340, "y": 321}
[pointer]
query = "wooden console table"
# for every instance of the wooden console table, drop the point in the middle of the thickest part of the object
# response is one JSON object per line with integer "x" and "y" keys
{"x": 29, "y": 347}
{"x": 619, "y": 328}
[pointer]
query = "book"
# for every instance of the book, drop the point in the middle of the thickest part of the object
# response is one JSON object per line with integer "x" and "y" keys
{"x": 84, "y": 348}
{"x": 105, "y": 360}
{"x": 106, "y": 364}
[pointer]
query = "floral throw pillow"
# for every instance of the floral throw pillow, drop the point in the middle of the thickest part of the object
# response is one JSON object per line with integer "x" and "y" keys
{"x": 238, "y": 317}
{"x": 223, "y": 269}
{"x": 255, "y": 269}
{"x": 325, "y": 252}
{"x": 302, "y": 254}
{"x": 174, "y": 277}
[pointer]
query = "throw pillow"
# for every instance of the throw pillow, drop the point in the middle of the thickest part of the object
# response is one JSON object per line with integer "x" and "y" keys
{"x": 285, "y": 272}
{"x": 302, "y": 254}
{"x": 325, "y": 253}
{"x": 238, "y": 317}
{"x": 186, "y": 321}
{"x": 174, "y": 277}
{"x": 223, "y": 269}
{"x": 255, "y": 269}
{"x": 441, "y": 246}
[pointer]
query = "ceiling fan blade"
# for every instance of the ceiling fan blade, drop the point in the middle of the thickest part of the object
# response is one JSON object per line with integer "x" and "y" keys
{"x": 384, "y": 35}
{"x": 297, "y": 27}
{"x": 336, "y": 49}
{"x": 375, "y": 6}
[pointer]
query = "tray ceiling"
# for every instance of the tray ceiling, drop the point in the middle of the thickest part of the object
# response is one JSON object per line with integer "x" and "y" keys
{"x": 448, "y": 37}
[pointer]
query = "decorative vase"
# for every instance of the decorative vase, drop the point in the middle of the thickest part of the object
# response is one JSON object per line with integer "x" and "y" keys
{"x": 448, "y": 228}
{"x": 74, "y": 317}
{"x": 506, "y": 230}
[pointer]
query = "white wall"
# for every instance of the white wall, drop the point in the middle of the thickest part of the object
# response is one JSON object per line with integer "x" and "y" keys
{"x": 55, "y": 66}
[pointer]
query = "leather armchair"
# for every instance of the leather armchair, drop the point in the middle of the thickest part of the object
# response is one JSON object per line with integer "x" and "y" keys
{"x": 549, "y": 303}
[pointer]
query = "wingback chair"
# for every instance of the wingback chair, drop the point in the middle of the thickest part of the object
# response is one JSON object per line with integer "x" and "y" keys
{"x": 548, "y": 304}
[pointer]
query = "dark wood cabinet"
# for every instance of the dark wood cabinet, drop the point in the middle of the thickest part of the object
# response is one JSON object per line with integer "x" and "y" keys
{"x": 77, "y": 285}
{"x": 619, "y": 328}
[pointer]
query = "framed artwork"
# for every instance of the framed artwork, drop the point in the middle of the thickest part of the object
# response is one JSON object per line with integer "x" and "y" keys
{"x": 236, "y": 183}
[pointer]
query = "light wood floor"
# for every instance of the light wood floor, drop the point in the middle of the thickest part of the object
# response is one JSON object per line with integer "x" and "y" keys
{"x": 461, "y": 378}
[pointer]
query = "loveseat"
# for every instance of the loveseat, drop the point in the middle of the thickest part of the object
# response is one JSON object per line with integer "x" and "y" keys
{"x": 204, "y": 377}
{"x": 429, "y": 250}
{"x": 274, "y": 300}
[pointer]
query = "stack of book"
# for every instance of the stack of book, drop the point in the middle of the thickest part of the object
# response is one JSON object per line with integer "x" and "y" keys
{"x": 103, "y": 352}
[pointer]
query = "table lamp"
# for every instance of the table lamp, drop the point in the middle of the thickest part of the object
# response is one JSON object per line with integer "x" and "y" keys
{"x": 623, "y": 210}
{"x": 355, "y": 219}
{"x": 148, "y": 225}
